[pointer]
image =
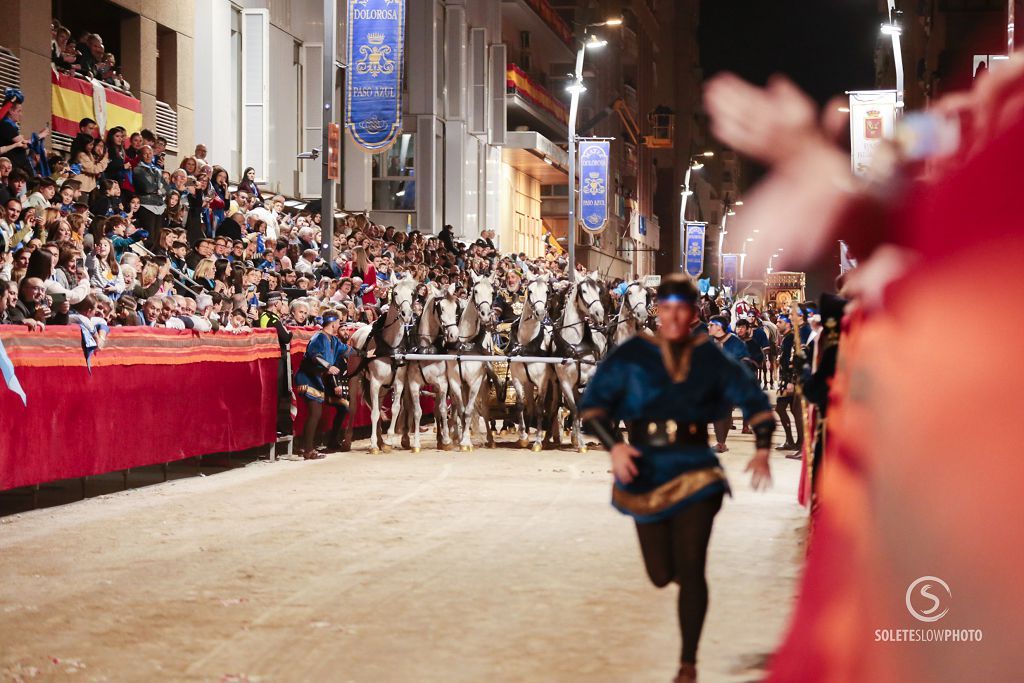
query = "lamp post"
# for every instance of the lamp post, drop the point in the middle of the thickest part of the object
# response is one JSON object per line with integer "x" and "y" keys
{"x": 694, "y": 165}
{"x": 575, "y": 90}
{"x": 893, "y": 30}
{"x": 722, "y": 232}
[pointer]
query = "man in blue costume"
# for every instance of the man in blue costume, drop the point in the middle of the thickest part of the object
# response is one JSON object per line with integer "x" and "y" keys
{"x": 733, "y": 346}
{"x": 667, "y": 388}
{"x": 316, "y": 381}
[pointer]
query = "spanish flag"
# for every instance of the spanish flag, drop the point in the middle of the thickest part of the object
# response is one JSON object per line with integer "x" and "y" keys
{"x": 74, "y": 99}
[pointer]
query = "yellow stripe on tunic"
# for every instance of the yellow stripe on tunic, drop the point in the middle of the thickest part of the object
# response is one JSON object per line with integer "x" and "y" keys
{"x": 668, "y": 494}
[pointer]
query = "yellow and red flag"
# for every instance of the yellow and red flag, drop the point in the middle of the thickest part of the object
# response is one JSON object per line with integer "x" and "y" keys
{"x": 73, "y": 99}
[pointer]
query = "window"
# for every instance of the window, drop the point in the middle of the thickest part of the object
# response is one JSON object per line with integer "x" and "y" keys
{"x": 394, "y": 184}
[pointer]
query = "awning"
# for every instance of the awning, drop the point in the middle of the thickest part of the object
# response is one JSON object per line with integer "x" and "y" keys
{"x": 536, "y": 156}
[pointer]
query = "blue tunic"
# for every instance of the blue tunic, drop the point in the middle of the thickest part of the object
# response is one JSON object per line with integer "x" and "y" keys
{"x": 640, "y": 381}
{"x": 309, "y": 382}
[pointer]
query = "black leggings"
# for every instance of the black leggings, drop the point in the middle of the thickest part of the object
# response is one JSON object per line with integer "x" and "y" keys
{"x": 783, "y": 406}
{"x": 676, "y": 550}
{"x": 314, "y": 412}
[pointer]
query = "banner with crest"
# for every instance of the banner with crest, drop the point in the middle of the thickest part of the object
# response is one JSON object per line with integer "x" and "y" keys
{"x": 694, "y": 261}
{"x": 872, "y": 121}
{"x": 594, "y": 184}
{"x": 373, "y": 79}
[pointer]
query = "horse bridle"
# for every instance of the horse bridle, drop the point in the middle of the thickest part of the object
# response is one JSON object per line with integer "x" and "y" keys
{"x": 644, "y": 304}
{"x": 587, "y": 304}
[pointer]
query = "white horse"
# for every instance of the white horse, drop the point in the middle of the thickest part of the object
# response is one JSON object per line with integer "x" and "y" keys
{"x": 466, "y": 378}
{"x": 440, "y": 311}
{"x": 575, "y": 339}
{"x": 381, "y": 340}
{"x": 633, "y": 313}
{"x": 532, "y": 380}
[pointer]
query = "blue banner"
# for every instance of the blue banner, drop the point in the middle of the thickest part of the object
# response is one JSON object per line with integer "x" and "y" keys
{"x": 695, "y": 248}
{"x": 594, "y": 184}
{"x": 730, "y": 270}
{"x": 373, "y": 79}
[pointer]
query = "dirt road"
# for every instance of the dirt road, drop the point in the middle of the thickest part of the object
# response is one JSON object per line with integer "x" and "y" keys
{"x": 499, "y": 565}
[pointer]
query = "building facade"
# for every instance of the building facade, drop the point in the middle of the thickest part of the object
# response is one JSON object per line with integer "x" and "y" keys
{"x": 484, "y": 134}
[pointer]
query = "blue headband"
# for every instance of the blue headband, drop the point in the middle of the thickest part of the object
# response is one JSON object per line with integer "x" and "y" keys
{"x": 676, "y": 298}
{"x": 784, "y": 319}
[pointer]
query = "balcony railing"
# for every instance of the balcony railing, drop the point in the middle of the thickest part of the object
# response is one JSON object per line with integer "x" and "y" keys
{"x": 550, "y": 17}
{"x": 518, "y": 83}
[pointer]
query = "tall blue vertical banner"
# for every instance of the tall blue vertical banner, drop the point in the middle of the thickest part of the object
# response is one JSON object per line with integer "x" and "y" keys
{"x": 694, "y": 262}
{"x": 594, "y": 184}
{"x": 373, "y": 79}
{"x": 730, "y": 270}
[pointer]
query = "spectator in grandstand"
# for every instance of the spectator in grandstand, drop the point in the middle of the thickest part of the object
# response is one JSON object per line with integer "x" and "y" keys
{"x": 92, "y": 161}
{"x": 151, "y": 190}
{"x": 86, "y": 135}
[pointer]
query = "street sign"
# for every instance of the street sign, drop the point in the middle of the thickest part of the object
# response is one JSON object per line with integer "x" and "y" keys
{"x": 334, "y": 151}
{"x": 652, "y": 281}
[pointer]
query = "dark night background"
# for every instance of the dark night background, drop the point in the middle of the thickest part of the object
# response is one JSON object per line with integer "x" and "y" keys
{"x": 825, "y": 46}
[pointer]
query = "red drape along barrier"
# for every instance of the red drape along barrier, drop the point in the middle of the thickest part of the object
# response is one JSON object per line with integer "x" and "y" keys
{"x": 300, "y": 338}
{"x": 153, "y": 396}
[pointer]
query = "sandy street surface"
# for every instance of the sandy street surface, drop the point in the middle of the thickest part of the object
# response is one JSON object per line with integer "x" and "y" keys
{"x": 499, "y": 565}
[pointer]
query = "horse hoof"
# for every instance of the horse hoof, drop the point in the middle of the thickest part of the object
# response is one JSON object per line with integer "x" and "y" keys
{"x": 444, "y": 446}
{"x": 387, "y": 448}
{"x": 523, "y": 443}
{"x": 491, "y": 444}
{"x": 583, "y": 448}
{"x": 415, "y": 449}
{"x": 374, "y": 451}
{"x": 535, "y": 448}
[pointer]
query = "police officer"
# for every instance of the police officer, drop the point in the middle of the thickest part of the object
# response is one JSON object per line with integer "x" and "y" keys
{"x": 277, "y": 305}
{"x": 667, "y": 388}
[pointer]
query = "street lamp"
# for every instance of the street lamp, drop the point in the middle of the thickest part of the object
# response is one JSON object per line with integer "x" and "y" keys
{"x": 894, "y": 30}
{"x": 726, "y": 212}
{"x": 694, "y": 165}
{"x": 575, "y": 90}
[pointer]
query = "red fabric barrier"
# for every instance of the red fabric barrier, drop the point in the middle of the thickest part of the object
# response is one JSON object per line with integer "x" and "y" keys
{"x": 153, "y": 396}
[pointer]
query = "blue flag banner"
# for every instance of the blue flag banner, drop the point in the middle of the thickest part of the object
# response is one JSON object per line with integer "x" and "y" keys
{"x": 730, "y": 270}
{"x": 695, "y": 248}
{"x": 7, "y": 368}
{"x": 373, "y": 79}
{"x": 594, "y": 184}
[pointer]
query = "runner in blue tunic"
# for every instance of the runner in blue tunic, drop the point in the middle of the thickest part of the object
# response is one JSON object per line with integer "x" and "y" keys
{"x": 667, "y": 387}
{"x": 325, "y": 356}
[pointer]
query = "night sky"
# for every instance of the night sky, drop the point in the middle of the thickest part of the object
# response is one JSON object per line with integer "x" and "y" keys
{"x": 825, "y": 46}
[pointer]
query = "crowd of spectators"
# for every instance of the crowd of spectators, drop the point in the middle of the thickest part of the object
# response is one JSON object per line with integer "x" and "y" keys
{"x": 86, "y": 56}
{"x": 114, "y": 235}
